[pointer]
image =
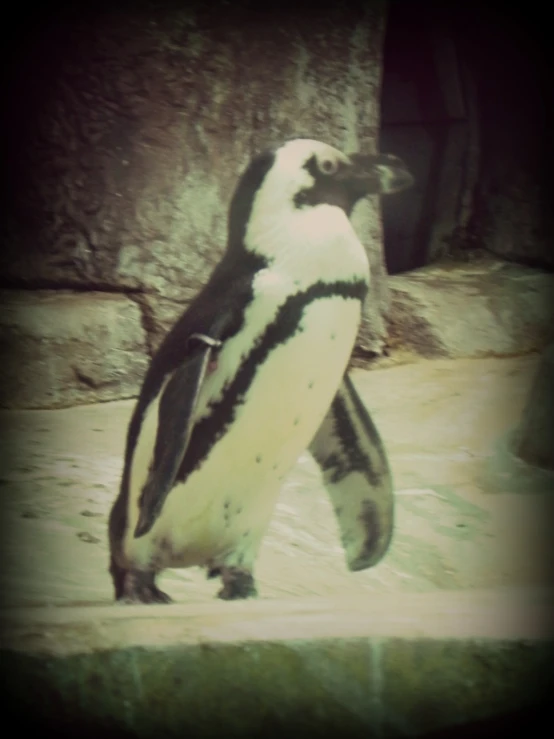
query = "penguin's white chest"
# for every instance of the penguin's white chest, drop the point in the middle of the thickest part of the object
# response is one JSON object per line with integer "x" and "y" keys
{"x": 221, "y": 512}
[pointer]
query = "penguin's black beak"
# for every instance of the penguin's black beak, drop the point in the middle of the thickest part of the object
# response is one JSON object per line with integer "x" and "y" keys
{"x": 375, "y": 174}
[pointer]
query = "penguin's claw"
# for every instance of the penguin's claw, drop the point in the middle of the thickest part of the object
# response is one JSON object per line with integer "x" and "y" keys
{"x": 237, "y": 584}
{"x": 139, "y": 587}
{"x": 147, "y": 595}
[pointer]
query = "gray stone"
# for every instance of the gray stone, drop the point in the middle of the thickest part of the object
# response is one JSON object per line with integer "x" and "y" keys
{"x": 535, "y": 438}
{"x": 485, "y": 308}
{"x": 62, "y": 348}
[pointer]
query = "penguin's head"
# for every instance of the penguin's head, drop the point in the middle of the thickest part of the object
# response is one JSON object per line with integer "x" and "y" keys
{"x": 302, "y": 180}
{"x": 311, "y": 174}
{"x": 306, "y": 187}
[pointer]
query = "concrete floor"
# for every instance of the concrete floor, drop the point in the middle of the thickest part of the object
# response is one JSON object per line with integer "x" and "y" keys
{"x": 469, "y": 516}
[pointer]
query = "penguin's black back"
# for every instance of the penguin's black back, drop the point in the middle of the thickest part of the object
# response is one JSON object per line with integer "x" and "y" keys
{"x": 228, "y": 288}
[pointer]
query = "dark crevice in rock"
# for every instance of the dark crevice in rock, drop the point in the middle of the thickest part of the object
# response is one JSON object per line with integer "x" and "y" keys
{"x": 85, "y": 379}
{"x": 90, "y": 382}
{"x": 147, "y": 320}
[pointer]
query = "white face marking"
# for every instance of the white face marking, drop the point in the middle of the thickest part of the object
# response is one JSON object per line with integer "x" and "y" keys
{"x": 288, "y": 175}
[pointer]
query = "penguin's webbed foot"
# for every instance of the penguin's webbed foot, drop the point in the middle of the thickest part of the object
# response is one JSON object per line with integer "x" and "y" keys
{"x": 139, "y": 587}
{"x": 237, "y": 584}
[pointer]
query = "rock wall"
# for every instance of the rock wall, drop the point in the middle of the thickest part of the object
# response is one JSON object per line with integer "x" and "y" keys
{"x": 127, "y": 144}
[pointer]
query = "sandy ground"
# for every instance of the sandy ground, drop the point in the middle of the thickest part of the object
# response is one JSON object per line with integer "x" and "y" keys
{"x": 468, "y": 515}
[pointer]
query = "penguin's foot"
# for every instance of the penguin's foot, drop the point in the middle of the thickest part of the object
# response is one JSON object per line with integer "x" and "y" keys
{"x": 139, "y": 587}
{"x": 237, "y": 583}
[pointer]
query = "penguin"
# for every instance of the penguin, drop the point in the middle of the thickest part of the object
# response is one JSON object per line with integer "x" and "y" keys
{"x": 253, "y": 373}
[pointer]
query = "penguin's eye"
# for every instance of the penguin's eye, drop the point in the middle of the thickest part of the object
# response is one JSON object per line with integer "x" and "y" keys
{"x": 327, "y": 166}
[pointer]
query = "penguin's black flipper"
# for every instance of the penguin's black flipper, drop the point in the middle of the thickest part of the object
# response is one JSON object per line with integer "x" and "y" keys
{"x": 356, "y": 474}
{"x": 175, "y": 417}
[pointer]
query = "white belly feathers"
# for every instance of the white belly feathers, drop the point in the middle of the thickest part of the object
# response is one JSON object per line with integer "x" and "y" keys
{"x": 221, "y": 512}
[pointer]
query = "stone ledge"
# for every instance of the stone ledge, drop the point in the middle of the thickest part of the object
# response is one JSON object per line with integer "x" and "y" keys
{"x": 488, "y": 308}
{"x": 399, "y": 665}
{"x": 64, "y": 348}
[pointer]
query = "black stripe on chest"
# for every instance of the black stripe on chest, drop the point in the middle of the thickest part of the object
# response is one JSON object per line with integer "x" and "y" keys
{"x": 285, "y": 325}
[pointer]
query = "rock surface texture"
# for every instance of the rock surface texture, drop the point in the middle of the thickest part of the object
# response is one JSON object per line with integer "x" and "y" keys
{"x": 485, "y": 308}
{"x": 64, "y": 348}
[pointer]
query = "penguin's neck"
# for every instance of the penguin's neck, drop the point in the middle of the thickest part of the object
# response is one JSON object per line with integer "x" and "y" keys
{"x": 310, "y": 245}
